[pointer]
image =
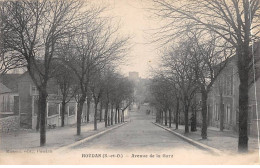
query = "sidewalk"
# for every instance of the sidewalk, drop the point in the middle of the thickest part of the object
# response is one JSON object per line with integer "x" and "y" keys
{"x": 224, "y": 141}
{"x": 55, "y": 138}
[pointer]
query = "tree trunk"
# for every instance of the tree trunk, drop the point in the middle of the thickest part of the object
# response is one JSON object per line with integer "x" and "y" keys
{"x": 170, "y": 118}
{"x": 195, "y": 118}
{"x": 161, "y": 117}
{"x": 111, "y": 115}
{"x": 63, "y": 104}
{"x": 95, "y": 116}
{"x": 186, "y": 118}
{"x": 42, "y": 110}
{"x": 158, "y": 116}
{"x": 243, "y": 53}
{"x": 119, "y": 115}
{"x": 221, "y": 114}
{"x": 88, "y": 108}
{"x": 100, "y": 115}
{"x": 165, "y": 118}
{"x": 123, "y": 115}
{"x": 243, "y": 105}
{"x": 79, "y": 112}
{"x": 108, "y": 120}
{"x": 177, "y": 114}
{"x": 243, "y": 115}
{"x": 204, "y": 97}
{"x": 38, "y": 118}
{"x": 116, "y": 116}
{"x": 106, "y": 112}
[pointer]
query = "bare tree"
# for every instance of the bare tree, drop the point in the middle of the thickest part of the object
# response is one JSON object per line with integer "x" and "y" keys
{"x": 206, "y": 62}
{"x": 220, "y": 89}
{"x": 35, "y": 27}
{"x": 234, "y": 21}
{"x": 123, "y": 96}
{"x": 178, "y": 66}
{"x": 65, "y": 79}
{"x": 94, "y": 46}
{"x": 97, "y": 88}
{"x": 9, "y": 59}
{"x": 162, "y": 91}
{"x": 109, "y": 88}
{"x": 89, "y": 98}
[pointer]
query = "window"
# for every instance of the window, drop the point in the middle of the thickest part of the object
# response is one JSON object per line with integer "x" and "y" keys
{"x": 231, "y": 84}
{"x": 252, "y": 109}
{"x": 59, "y": 91}
{"x": 7, "y": 104}
{"x": 228, "y": 85}
{"x": 66, "y": 109}
{"x": 36, "y": 101}
{"x": 237, "y": 115}
{"x": 53, "y": 109}
{"x": 71, "y": 109}
{"x": 34, "y": 90}
{"x": 3, "y": 104}
{"x": 250, "y": 113}
{"x": 222, "y": 83}
{"x": 228, "y": 114}
{"x": 225, "y": 85}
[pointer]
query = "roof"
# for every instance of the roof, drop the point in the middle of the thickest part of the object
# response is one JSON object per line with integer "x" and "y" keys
{"x": 52, "y": 87}
{"x": 10, "y": 81}
{"x": 4, "y": 89}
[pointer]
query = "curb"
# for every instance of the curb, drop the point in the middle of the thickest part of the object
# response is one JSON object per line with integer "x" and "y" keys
{"x": 193, "y": 142}
{"x": 88, "y": 138}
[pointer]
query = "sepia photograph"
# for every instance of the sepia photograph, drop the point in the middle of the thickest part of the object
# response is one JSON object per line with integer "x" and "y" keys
{"x": 129, "y": 82}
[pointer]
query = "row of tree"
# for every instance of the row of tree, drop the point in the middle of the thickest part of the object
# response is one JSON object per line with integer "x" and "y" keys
{"x": 192, "y": 66}
{"x": 108, "y": 90}
{"x": 208, "y": 33}
{"x": 69, "y": 40}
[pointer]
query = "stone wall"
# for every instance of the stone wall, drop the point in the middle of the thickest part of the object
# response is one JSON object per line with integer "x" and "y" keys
{"x": 8, "y": 124}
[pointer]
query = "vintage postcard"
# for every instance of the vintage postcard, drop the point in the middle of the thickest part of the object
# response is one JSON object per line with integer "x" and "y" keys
{"x": 129, "y": 82}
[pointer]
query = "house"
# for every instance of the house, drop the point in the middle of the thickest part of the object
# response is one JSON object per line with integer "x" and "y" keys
{"x": 226, "y": 87}
{"x": 9, "y": 99}
{"x": 9, "y": 104}
{"x": 29, "y": 96}
{"x": 19, "y": 97}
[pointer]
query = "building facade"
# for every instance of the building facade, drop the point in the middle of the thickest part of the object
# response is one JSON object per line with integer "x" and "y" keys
{"x": 225, "y": 93}
{"x": 19, "y": 104}
{"x": 29, "y": 96}
{"x": 9, "y": 104}
{"x": 9, "y": 99}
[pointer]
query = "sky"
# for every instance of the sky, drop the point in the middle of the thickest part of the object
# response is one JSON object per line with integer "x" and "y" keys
{"x": 134, "y": 21}
{"x": 133, "y": 17}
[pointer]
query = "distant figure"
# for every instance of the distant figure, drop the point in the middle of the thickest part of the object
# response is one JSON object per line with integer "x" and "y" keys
{"x": 193, "y": 123}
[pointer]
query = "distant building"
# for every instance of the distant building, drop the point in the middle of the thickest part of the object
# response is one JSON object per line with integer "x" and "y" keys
{"x": 134, "y": 76}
